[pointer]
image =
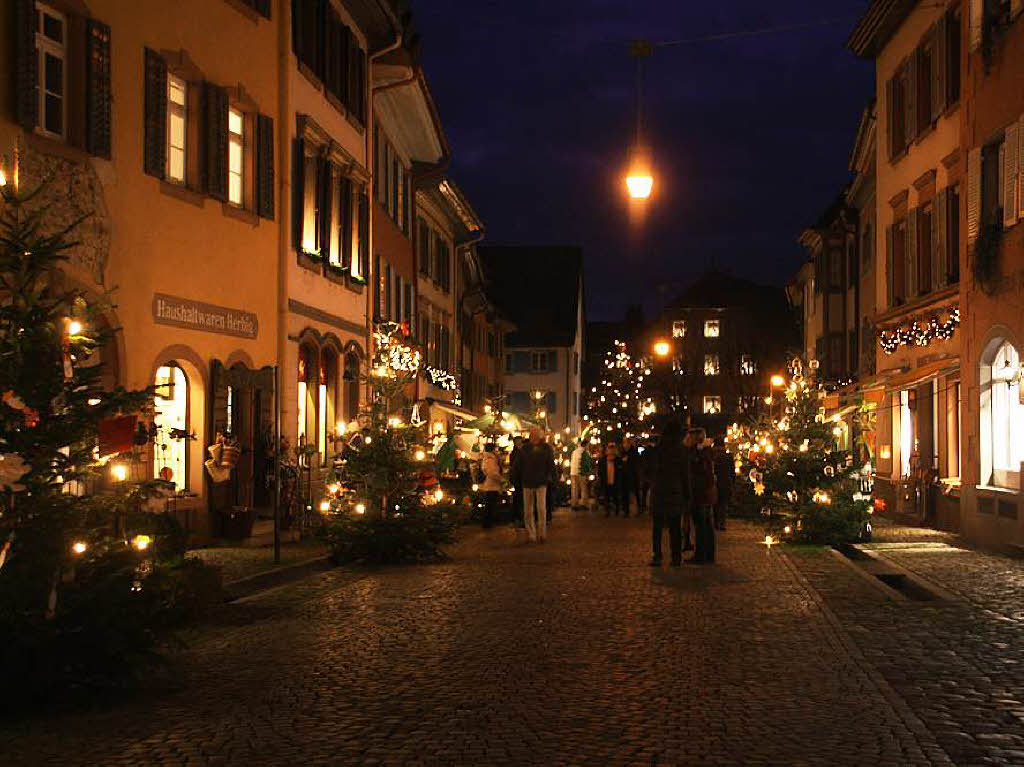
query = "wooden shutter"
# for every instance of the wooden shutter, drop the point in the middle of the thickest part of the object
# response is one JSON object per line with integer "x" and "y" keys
{"x": 26, "y": 65}
{"x": 940, "y": 229}
{"x": 890, "y": 274}
{"x": 910, "y": 259}
{"x": 298, "y": 191}
{"x": 265, "y": 166}
{"x": 910, "y": 126}
{"x": 976, "y": 20}
{"x": 521, "y": 362}
{"x": 97, "y": 93}
{"x": 154, "y": 159}
{"x": 377, "y": 297}
{"x": 364, "y": 233}
{"x": 940, "y": 53}
{"x": 552, "y": 361}
{"x": 345, "y": 222}
{"x": 973, "y": 195}
{"x": 550, "y": 401}
{"x": 1010, "y": 174}
{"x": 324, "y": 205}
{"x": 215, "y": 141}
{"x": 890, "y": 144}
{"x": 934, "y": 256}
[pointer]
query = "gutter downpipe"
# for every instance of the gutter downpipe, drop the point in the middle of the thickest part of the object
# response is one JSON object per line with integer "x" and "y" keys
{"x": 284, "y": 223}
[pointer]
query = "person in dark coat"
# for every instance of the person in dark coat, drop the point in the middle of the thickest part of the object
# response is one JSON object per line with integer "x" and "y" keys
{"x": 703, "y": 497}
{"x": 515, "y": 478}
{"x": 610, "y": 473}
{"x": 538, "y": 468}
{"x": 725, "y": 475}
{"x": 630, "y": 475}
{"x": 645, "y": 476}
{"x": 670, "y": 475}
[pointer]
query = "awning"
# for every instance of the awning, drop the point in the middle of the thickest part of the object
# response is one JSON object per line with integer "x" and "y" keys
{"x": 922, "y": 373}
{"x": 448, "y": 407}
{"x": 845, "y": 411}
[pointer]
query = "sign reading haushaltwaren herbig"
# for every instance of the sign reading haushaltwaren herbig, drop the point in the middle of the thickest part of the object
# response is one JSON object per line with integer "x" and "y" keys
{"x": 195, "y": 315}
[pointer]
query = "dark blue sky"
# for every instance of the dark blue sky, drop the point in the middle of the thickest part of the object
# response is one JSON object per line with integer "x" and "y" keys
{"x": 750, "y": 135}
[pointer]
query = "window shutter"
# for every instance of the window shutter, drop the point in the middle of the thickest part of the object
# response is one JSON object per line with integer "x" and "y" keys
{"x": 939, "y": 56}
{"x": 26, "y": 64}
{"x": 265, "y": 166}
{"x": 940, "y": 236}
{"x": 973, "y": 195}
{"x": 155, "y": 118}
{"x": 889, "y": 272}
{"x": 911, "y": 260}
{"x": 889, "y": 121}
{"x": 377, "y": 298}
{"x": 324, "y": 205}
{"x": 521, "y": 362}
{"x": 910, "y": 97}
{"x": 977, "y": 14}
{"x": 549, "y": 402}
{"x": 298, "y": 191}
{"x": 935, "y": 255}
{"x": 215, "y": 141}
{"x": 1010, "y": 174}
{"x": 364, "y": 233}
{"x": 331, "y": 44}
{"x": 552, "y": 361}
{"x": 345, "y": 222}
{"x": 97, "y": 75}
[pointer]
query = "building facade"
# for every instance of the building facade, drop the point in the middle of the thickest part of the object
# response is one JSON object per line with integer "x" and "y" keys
{"x": 916, "y": 48}
{"x": 540, "y": 291}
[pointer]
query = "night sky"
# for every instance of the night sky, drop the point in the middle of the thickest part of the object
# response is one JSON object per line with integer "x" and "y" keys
{"x": 750, "y": 135}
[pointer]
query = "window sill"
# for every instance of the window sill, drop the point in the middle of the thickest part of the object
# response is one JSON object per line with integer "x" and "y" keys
{"x": 355, "y": 284}
{"x": 240, "y": 214}
{"x": 355, "y": 121}
{"x": 306, "y": 261}
{"x": 55, "y": 148}
{"x": 183, "y": 193}
{"x": 336, "y": 274}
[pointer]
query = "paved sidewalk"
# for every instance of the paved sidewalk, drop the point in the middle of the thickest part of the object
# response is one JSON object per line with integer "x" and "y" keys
{"x": 573, "y": 652}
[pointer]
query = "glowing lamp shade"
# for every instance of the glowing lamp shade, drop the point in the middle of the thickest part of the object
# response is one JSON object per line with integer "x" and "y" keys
{"x": 778, "y": 380}
{"x": 662, "y": 348}
{"x": 639, "y": 181}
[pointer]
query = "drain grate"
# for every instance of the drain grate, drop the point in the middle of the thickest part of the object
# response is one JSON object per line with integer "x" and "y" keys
{"x": 889, "y": 574}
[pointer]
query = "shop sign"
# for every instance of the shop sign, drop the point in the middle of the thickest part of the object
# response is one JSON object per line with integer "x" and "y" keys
{"x": 196, "y": 315}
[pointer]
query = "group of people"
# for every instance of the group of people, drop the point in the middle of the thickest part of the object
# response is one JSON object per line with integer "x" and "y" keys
{"x": 684, "y": 479}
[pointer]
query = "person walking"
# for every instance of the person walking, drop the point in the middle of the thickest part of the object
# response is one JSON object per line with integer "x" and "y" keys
{"x": 579, "y": 470}
{"x": 630, "y": 479}
{"x": 670, "y": 474}
{"x": 725, "y": 476}
{"x": 704, "y": 495}
{"x": 611, "y": 477}
{"x": 490, "y": 466}
{"x": 515, "y": 477}
{"x": 537, "y": 468}
{"x": 645, "y": 476}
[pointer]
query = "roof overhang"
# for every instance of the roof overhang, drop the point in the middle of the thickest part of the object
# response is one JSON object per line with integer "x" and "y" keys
{"x": 406, "y": 107}
{"x": 379, "y": 20}
{"x": 877, "y": 25}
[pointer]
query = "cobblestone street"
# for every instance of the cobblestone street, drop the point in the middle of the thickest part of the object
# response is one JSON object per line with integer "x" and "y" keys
{"x": 569, "y": 653}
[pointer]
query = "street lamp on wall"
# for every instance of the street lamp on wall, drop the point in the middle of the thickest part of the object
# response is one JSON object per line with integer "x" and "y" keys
{"x": 662, "y": 348}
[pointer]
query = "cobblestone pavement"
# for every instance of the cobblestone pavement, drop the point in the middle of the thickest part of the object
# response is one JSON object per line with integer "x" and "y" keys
{"x": 240, "y": 562}
{"x": 573, "y": 652}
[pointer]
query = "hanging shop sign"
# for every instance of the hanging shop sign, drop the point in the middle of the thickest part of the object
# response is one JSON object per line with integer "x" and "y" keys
{"x": 196, "y": 315}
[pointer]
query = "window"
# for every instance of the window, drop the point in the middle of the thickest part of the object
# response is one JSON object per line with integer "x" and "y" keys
{"x": 991, "y": 184}
{"x": 897, "y": 102}
{"x": 539, "y": 362}
{"x": 307, "y": 395}
{"x": 747, "y": 365}
{"x": 327, "y": 401}
{"x": 835, "y": 270}
{"x": 953, "y": 235}
{"x": 898, "y": 266}
{"x": 710, "y": 364}
{"x": 748, "y": 403}
{"x": 509, "y": 366}
{"x": 925, "y": 246}
{"x": 925, "y": 56}
{"x": 711, "y": 328}
{"x": 424, "y": 255}
{"x": 712, "y": 405}
{"x": 170, "y": 454}
{"x": 953, "y": 431}
{"x": 952, "y": 62}
{"x": 867, "y": 247}
{"x": 177, "y": 117}
{"x": 679, "y": 329}
{"x": 51, "y": 41}
{"x": 329, "y": 51}
{"x": 1002, "y": 416}
{"x": 236, "y": 157}
{"x": 904, "y": 436}
{"x": 678, "y": 365}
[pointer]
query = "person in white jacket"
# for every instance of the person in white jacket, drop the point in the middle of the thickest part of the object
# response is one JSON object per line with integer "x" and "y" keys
{"x": 490, "y": 465}
{"x": 578, "y": 477}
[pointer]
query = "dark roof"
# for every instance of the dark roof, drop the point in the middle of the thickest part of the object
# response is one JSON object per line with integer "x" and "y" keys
{"x": 881, "y": 19}
{"x": 720, "y": 289}
{"x": 537, "y": 288}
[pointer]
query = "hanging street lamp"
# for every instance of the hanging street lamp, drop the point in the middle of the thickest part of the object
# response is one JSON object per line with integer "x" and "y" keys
{"x": 639, "y": 175}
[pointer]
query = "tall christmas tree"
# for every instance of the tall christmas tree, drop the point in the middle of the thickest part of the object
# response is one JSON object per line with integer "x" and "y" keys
{"x": 386, "y": 503}
{"x": 616, "y": 405}
{"x": 82, "y": 587}
{"x": 805, "y": 486}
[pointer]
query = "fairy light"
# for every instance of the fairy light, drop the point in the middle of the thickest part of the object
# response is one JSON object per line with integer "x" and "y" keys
{"x": 141, "y": 542}
{"x": 119, "y": 472}
{"x": 79, "y": 547}
{"x": 360, "y": 508}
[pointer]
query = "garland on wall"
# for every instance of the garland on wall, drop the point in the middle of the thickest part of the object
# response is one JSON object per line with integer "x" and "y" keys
{"x": 920, "y": 332}
{"x": 442, "y": 379}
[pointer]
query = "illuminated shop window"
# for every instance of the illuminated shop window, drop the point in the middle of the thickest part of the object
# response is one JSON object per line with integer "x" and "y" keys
{"x": 712, "y": 405}
{"x": 679, "y": 329}
{"x": 711, "y": 366}
{"x": 711, "y": 328}
{"x": 170, "y": 449}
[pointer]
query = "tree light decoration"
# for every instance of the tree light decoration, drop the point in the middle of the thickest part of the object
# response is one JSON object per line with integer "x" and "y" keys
{"x": 119, "y": 472}
{"x": 79, "y": 547}
{"x": 141, "y": 542}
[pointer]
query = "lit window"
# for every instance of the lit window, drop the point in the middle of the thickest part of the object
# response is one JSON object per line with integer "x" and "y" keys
{"x": 310, "y": 240}
{"x": 1002, "y": 417}
{"x": 710, "y": 364}
{"x": 236, "y": 157}
{"x": 170, "y": 419}
{"x": 679, "y": 329}
{"x": 51, "y": 39}
{"x": 711, "y": 328}
{"x": 712, "y": 405}
{"x": 176, "y": 116}
{"x": 678, "y": 365}
{"x": 747, "y": 365}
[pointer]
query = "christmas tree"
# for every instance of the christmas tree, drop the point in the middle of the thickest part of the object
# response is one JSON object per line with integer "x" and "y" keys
{"x": 617, "y": 406}
{"x": 803, "y": 484}
{"x": 386, "y": 503}
{"x": 83, "y": 585}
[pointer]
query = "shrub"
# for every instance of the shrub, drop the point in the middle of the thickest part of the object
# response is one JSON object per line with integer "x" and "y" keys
{"x": 417, "y": 535}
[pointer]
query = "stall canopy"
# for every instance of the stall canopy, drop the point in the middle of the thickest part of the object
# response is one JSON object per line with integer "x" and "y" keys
{"x": 450, "y": 409}
{"x": 494, "y": 420}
